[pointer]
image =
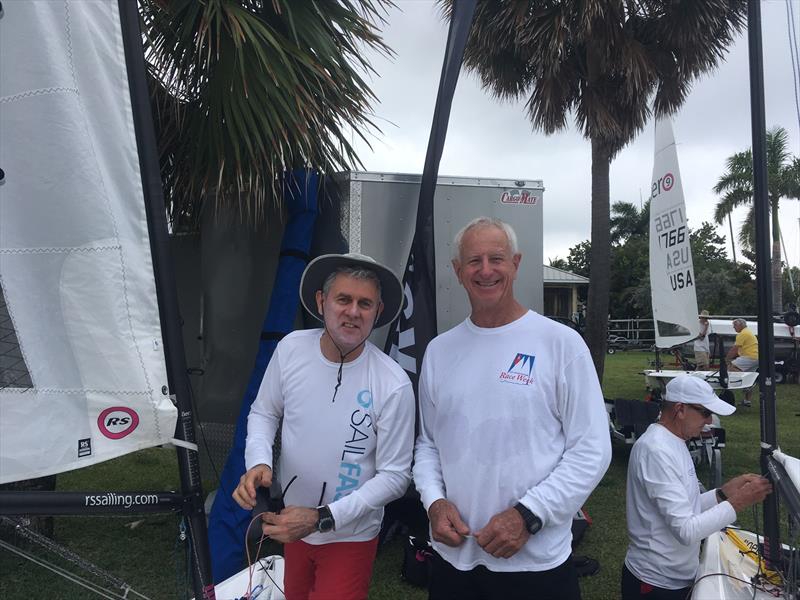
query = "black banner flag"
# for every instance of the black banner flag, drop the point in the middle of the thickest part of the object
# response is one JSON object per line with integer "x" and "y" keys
{"x": 416, "y": 325}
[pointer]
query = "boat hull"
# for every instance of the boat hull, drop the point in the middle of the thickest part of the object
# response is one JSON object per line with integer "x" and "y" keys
{"x": 725, "y": 570}
{"x": 267, "y": 582}
{"x": 736, "y": 380}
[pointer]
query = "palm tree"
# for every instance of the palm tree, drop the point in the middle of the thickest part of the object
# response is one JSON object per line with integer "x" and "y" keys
{"x": 609, "y": 63}
{"x": 736, "y": 189}
{"x": 628, "y": 221}
{"x": 246, "y": 89}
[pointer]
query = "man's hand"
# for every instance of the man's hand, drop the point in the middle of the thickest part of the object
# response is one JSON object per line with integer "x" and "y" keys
{"x": 446, "y": 523}
{"x": 292, "y": 524}
{"x": 732, "y": 353}
{"x": 504, "y": 534}
{"x": 734, "y": 484}
{"x": 245, "y": 492}
{"x": 749, "y": 493}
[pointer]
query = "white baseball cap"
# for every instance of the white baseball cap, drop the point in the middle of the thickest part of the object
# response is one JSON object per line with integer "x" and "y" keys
{"x": 688, "y": 389}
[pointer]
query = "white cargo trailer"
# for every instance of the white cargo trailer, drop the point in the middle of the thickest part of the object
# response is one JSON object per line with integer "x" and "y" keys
{"x": 378, "y": 215}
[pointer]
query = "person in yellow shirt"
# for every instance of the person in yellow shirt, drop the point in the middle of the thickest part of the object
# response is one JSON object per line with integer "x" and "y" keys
{"x": 744, "y": 354}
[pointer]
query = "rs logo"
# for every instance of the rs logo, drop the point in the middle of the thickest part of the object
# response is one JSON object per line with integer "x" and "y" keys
{"x": 117, "y": 422}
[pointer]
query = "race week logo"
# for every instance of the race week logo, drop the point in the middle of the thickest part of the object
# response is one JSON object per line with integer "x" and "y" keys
{"x": 520, "y": 370}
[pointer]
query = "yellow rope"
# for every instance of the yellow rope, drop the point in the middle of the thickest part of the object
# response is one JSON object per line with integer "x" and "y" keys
{"x": 771, "y": 576}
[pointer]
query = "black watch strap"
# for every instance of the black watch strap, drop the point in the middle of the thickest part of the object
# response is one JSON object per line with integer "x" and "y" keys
{"x": 532, "y": 523}
{"x": 325, "y": 522}
{"x": 721, "y": 496}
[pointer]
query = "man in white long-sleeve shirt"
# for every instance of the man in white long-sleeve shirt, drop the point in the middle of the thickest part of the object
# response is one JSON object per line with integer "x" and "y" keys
{"x": 347, "y": 434}
{"x": 667, "y": 515}
{"x": 513, "y": 435}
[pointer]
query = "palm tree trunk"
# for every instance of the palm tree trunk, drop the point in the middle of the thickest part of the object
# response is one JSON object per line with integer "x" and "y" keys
{"x": 733, "y": 239}
{"x": 600, "y": 275}
{"x": 777, "y": 279}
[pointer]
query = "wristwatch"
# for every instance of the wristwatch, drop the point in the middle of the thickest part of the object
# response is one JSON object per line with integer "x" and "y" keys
{"x": 721, "y": 497}
{"x": 532, "y": 523}
{"x": 325, "y": 522}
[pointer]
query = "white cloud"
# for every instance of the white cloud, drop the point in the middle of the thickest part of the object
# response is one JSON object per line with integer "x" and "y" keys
{"x": 488, "y": 138}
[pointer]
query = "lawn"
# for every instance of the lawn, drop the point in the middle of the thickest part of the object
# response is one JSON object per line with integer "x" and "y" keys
{"x": 145, "y": 552}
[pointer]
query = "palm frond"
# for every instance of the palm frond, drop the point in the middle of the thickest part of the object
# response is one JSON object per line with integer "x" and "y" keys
{"x": 245, "y": 89}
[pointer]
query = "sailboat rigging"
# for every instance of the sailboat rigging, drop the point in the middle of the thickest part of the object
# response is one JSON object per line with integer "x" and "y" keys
{"x": 96, "y": 369}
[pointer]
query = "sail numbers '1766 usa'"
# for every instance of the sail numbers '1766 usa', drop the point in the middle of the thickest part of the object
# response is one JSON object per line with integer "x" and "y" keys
{"x": 671, "y": 271}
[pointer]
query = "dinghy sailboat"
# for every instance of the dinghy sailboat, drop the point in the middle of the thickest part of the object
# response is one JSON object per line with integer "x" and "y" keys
{"x": 672, "y": 278}
{"x": 92, "y": 362}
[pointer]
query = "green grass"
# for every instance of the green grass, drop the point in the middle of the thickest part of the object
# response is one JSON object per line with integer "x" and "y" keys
{"x": 146, "y": 557}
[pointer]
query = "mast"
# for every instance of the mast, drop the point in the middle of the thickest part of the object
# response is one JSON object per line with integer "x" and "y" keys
{"x": 766, "y": 349}
{"x": 167, "y": 299}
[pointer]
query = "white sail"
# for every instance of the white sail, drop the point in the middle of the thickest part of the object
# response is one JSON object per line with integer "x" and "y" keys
{"x": 82, "y": 371}
{"x": 672, "y": 282}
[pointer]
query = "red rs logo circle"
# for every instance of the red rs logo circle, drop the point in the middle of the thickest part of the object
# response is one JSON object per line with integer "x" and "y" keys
{"x": 117, "y": 422}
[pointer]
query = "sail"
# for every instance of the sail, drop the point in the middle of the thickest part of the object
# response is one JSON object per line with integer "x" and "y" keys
{"x": 82, "y": 369}
{"x": 672, "y": 283}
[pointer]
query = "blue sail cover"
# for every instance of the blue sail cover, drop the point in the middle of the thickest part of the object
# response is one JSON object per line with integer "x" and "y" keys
{"x": 228, "y": 522}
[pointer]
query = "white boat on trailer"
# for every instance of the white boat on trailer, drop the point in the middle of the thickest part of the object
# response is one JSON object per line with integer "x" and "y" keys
{"x": 658, "y": 378}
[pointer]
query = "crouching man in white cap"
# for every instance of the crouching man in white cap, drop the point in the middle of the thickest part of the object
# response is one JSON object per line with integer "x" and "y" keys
{"x": 667, "y": 515}
{"x": 347, "y": 435}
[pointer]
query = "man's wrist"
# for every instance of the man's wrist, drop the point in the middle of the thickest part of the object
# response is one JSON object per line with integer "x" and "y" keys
{"x": 325, "y": 521}
{"x": 437, "y": 502}
{"x": 721, "y": 496}
{"x": 532, "y": 523}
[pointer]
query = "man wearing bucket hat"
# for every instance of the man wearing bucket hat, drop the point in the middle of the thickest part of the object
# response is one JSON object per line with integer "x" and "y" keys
{"x": 667, "y": 515}
{"x": 347, "y": 431}
{"x": 701, "y": 347}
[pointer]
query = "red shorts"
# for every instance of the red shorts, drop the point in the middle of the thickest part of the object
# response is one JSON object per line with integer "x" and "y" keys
{"x": 335, "y": 571}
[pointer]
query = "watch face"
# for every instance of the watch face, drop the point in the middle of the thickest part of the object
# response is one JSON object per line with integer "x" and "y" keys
{"x": 534, "y": 525}
{"x": 325, "y": 524}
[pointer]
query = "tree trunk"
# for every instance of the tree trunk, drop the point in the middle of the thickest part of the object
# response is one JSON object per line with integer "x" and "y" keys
{"x": 600, "y": 274}
{"x": 777, "y": 271}
{"x": 733, "y": 239}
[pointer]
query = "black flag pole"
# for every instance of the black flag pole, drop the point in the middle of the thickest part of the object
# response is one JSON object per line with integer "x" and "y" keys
{"x": 416, "y": 326}
{"x": 766, "y": 347}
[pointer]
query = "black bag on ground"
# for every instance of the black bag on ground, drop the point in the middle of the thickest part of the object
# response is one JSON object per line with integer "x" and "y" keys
{"x": 417, "y": 561}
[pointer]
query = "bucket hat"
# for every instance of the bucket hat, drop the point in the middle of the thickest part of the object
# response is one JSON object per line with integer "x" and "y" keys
{"x": 318, "y": 270}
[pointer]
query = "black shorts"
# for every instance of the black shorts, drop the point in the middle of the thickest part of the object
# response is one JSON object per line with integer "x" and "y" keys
{"x": 448, "y": 583}
{"x": 634, "y": 588}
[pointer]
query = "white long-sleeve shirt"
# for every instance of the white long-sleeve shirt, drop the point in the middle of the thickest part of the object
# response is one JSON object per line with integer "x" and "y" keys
{"x": 511, "y": 414}
{"x": 667, "y": 515}
{"x": 357, "y": 448}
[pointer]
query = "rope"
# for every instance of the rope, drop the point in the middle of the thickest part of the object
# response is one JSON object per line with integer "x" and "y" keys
{"x": 76, "y": 579}
{"x": 68, "y": 555}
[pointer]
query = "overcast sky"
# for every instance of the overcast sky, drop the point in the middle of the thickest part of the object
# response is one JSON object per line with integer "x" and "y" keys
{"x": 488, "y": 138}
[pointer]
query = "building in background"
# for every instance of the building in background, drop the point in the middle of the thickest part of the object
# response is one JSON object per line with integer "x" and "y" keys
{"x": 561, "y": 292}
